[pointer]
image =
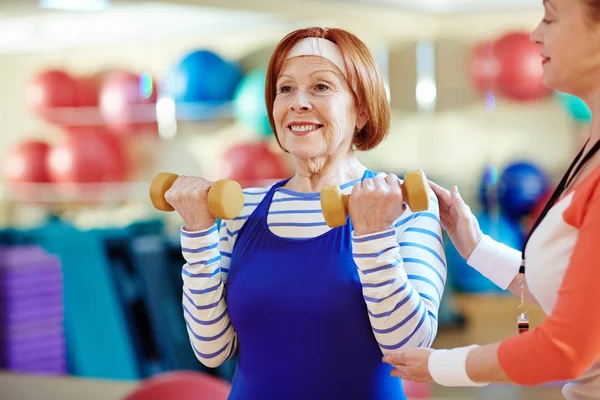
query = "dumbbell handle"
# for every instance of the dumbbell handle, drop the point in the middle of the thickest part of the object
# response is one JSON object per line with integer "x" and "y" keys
{"x": 225, "y": 197}
{"x": 335, "y": 204}
{"x": 346, "y": 197}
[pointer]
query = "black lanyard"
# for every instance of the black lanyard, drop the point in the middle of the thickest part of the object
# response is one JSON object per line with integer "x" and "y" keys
{"x": 564, "y": 182}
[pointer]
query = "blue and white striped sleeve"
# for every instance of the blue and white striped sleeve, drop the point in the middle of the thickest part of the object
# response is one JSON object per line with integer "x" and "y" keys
{"x": 403, "y": 273}
{"x": 211, "y": 334}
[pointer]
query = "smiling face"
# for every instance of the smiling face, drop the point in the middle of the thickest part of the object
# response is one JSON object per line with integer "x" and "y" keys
{"x": 314, "y": 110}
{"x": 570, "y": 42}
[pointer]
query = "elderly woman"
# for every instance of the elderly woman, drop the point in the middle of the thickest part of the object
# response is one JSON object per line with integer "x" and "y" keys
{"x": 560, "y": 263}
{"x": 312, "y": 310}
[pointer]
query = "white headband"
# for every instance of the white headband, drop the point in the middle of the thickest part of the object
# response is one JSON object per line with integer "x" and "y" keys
{"x": 319, "y": 47}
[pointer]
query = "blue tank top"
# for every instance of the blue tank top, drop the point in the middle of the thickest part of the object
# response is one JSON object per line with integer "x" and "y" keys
{"x": 301, "y": 320}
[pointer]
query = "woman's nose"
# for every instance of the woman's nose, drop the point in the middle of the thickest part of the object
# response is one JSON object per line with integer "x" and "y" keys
{"x": 300, "y": 103}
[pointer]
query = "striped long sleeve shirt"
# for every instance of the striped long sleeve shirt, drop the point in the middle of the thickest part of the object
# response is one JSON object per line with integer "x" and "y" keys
{"x": 402, "y": 272}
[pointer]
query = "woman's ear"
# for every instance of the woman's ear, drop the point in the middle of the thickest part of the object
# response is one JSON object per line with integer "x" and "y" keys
{"x": 361, "y": 121}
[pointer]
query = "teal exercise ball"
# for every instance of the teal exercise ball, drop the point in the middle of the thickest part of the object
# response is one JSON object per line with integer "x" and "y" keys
{"x": 249, "y": 106}
{"x": 575, "y": 107}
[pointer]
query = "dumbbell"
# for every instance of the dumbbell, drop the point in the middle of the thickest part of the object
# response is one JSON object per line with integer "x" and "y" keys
{"x": 225, "y": 197}
{"x": 414, "y": 191}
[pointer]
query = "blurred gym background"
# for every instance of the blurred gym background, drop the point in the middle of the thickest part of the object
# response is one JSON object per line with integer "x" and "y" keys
{"x": 98, "y": 96}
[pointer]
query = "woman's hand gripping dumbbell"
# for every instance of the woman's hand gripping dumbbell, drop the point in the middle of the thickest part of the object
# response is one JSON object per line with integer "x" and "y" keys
{"x": 413, "y": 191}
{"x": 198, "y": 201}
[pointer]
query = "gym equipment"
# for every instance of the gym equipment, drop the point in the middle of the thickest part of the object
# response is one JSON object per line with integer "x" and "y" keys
{"x": 26, "y": 162}
{"x": 417, "y": 390}
{"x": 127, "y": 102}
{"x": 88, "y": 89}
{"x": 487, "y": 193}
{"x": 483, "y": 68}
{"x": 335, "y": 204}
{"x": 202, "y": 76}
{"x": 249, "y": 107}
{"x": 225, "y": 197}
{"x": 48, "y": 89}
{"x": 520, "y": 187}
{"x": 575, "y": 107}
{"x": 520, "y": 70}
{"x": 32, "y": 338}
{"x": 254, "y": 164}
{"x": 182, "y": 385}
{"x": 87, "y": 155}
{"x": 468, "y": 280}
{"x": 98, "y": 336}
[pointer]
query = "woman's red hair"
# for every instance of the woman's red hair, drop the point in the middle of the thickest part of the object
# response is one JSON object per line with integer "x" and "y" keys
{"x": 363, "y": 78}
{"x": 594, "y": 6}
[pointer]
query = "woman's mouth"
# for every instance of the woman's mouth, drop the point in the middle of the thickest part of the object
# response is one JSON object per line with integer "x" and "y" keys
{"x": 303, "y": 128}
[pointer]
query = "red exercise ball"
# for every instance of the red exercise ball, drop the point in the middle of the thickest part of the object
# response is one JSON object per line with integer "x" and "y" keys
{"x": 254, "y": 164}
{"x": 26, "y": 162}
{"x": 417, "y": 390}
{"x": 87, "y": 155}
{"x": 181, "y": 385}
{"x": 520, "y": 76}
{"x": 483, "y": 67}
{"x": 48, "y": 90}
{"x": 127, "y": 102}
{"x": 88, "y": 90}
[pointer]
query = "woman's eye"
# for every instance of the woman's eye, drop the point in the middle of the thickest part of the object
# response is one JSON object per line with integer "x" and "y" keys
{"x": 321, "y": 87}
{"x": 285, "y": 89}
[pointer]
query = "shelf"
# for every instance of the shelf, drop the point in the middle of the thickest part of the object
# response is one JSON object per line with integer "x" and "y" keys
{"x": 94, "y": 193}
{"x": 164, "y": 111}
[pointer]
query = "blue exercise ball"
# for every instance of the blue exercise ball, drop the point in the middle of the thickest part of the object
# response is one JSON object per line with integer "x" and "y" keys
{"x": 575, "y": 107}
{"x": 249, "y": 106}
{"x": 520, "y": 187}
{"x": 466, "y": 279}
{"x": 202, "y": 76}
{"x": 487, "y": 182}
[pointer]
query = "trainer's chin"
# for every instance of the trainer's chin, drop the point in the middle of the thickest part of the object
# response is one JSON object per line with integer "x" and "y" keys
{"x": 549, "y": 79}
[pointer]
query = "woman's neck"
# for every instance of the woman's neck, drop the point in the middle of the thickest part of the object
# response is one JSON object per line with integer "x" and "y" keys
{"x": 313, "y": 175}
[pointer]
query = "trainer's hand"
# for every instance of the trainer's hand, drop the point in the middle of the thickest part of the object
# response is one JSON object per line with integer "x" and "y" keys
{"x": 188, "y": 196}
{"x": 457, "y": 220}
{"x": 375, "y": 204}
{"x": 411, "y": 364}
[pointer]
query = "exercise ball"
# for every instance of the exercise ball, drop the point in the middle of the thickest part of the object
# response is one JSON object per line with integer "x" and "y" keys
{"x": 520, "y": 187}
{"x": 483, "y": 67}
{"x": 202, "y": 76}
{"x": 128, "y": 102}
{"x": 249, "y": 106}
{"x": 520, "y": 75}
{"x": 181, "y": 385}
{"x": 486, "y": 193}
{"x": 86, "y": 156}
{"x": 417, "y": 390}
{"x": 25, "y": 162}
{"x": 575, "y": 107}
{"x": 88, "y": 89}
{"x": 254, "y": 164}
{"x": 48, "y": 90}
{"x": 467, "y": 279}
